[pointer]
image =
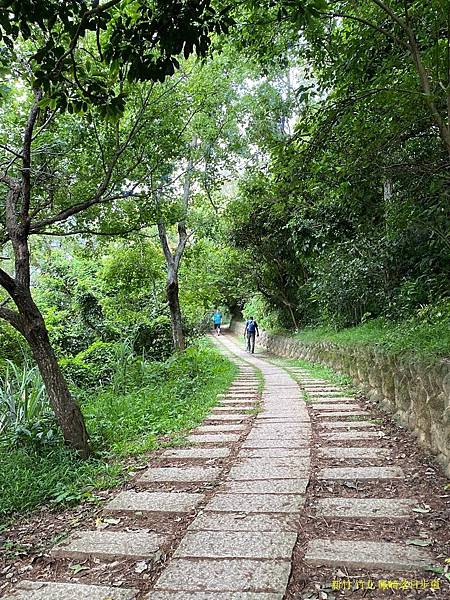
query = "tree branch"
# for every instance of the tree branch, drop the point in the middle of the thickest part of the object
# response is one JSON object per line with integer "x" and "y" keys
{"x": 77, "y": 208}
{"x": 164, "y": 243}
{"x": 7, "y": 282}
{"x": 388, "y": 10}
{"x": 11, "y": 151}
{"x": 365, "y": 22}
{"x": 73, "y": 42}
{"x": 13, "y": 318}
{"x": 26, "y": 169}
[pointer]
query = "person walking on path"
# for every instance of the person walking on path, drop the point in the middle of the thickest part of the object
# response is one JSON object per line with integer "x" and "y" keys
{"x": 251, "y": 329}
{"x": 217, "y": 320}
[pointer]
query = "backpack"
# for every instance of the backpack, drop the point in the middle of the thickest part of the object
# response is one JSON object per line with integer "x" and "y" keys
{"x": 251, "y": 326}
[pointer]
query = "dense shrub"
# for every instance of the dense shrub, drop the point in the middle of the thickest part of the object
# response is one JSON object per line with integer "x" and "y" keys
{"x": 266, "y": 316}
{"x": 154, "y": 338}
{"x": 78, "y": 373}
{"x": 147, "y": 400}
{"x": 12, "y": 346}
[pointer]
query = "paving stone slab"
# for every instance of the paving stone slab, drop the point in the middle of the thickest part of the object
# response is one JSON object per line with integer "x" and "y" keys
{"x": 228, "y": 409}
{"x": 171, "y": 595}
{"x": 209, "y": 521}
{"x": 228, "y": 417}
{"x": 180, "y": 474}
{"x": 212, "y": 596}
{"x": 345, "y": 473}
{"x": 367, "y": 555}
{"x": 385, "y": 508}
{"x": 196, "y": 453}
{"x": 269, "y": 415}
{"x": 43, "y": 590}
{"x": 288, "y": 428}
{"x": 139, "y": 545}
{"x": 353, "y": 435}
{"x": 280, "y": 443}
{"x": 225, "y": 575}
{"x": 270, "y": 486}
{"x": 302, "y": 437}
{"x": 211, "y": 438}
{"x": 250, "y": 391}
{"x": 347, "y": 424}
{"x": 131, "y": 501}
{"x": 277, "y": 420}
{"x": 314, "y": 400}
{"x": 283, "y": 396}
{"x": 251, "y": 473}
{"x": 337, "y": 406}
{"x": 275, "y": 435}
{"x": 244, "y": 394}
{"x": 220, "y": 427}
{"x": 268, "y": 462}
{"x": 270, "y": 431}
{"x": 322, "y": 394}
{"x": 343, "y": 452}
{"x": 241, "y": 544}
{"x": 343, "y": 415}
{"x": 313, "y": 388}
{"x": 256, "y": 503}
{"x": 238, "y": 403}
{"x": 274, "y": 452}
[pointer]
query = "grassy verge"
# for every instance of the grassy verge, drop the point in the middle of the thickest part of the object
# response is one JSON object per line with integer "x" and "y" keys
{"x": 157, "y": 399}
{"x": 315, "y": 370}
{"x": 426, "y": 336}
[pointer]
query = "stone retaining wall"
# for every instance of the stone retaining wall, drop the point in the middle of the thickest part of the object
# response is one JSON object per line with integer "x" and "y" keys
{"x": 416, "y": 393}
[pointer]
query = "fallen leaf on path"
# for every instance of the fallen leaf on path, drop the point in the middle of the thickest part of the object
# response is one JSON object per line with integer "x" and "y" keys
{"x": 78, "y": 568}
{"x": 417, "y": 542}
{"x": 111, "y": 521}
{"x": 99, "y": 524}
{"x": 141, "y": 567}
{"x": 350, "y": 484}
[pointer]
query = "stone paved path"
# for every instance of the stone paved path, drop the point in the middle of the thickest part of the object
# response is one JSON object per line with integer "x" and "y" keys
{"x": 243, "y": 517}
{"x": 243, "y": 541}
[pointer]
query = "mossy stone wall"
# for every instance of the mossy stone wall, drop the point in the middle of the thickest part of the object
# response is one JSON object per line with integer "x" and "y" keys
{"x": 417, "y": 394}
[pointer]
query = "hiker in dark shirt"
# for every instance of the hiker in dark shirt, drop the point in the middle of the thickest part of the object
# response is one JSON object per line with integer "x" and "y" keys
{"x": 251, "y": 328}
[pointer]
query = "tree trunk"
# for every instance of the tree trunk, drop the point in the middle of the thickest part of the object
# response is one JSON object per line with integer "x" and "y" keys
{"x": 67, "y": 412}
{"x": 175, "y": 310}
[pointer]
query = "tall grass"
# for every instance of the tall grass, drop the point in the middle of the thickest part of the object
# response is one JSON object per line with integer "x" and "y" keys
{"x": 25, "y": 414}
{"x": 144, "y": 401}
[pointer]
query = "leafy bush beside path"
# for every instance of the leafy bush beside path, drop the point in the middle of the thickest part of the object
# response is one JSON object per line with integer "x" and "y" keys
{"x": 146, "y": 401}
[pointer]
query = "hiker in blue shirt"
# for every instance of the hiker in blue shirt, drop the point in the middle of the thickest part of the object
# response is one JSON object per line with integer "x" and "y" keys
{"x": 217, "y": 320}
{"x": 251, "y": 328}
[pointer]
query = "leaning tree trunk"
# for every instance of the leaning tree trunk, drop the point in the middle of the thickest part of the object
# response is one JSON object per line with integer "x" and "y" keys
{"x": 27, "y": 319}
{"x": 67, "y": 412}
{"x": 175, "y": 310}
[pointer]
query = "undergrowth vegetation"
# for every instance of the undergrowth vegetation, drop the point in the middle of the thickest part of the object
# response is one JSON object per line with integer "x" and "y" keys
{"x": 138, "y": 403}
{"x": 424, "y": 335}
